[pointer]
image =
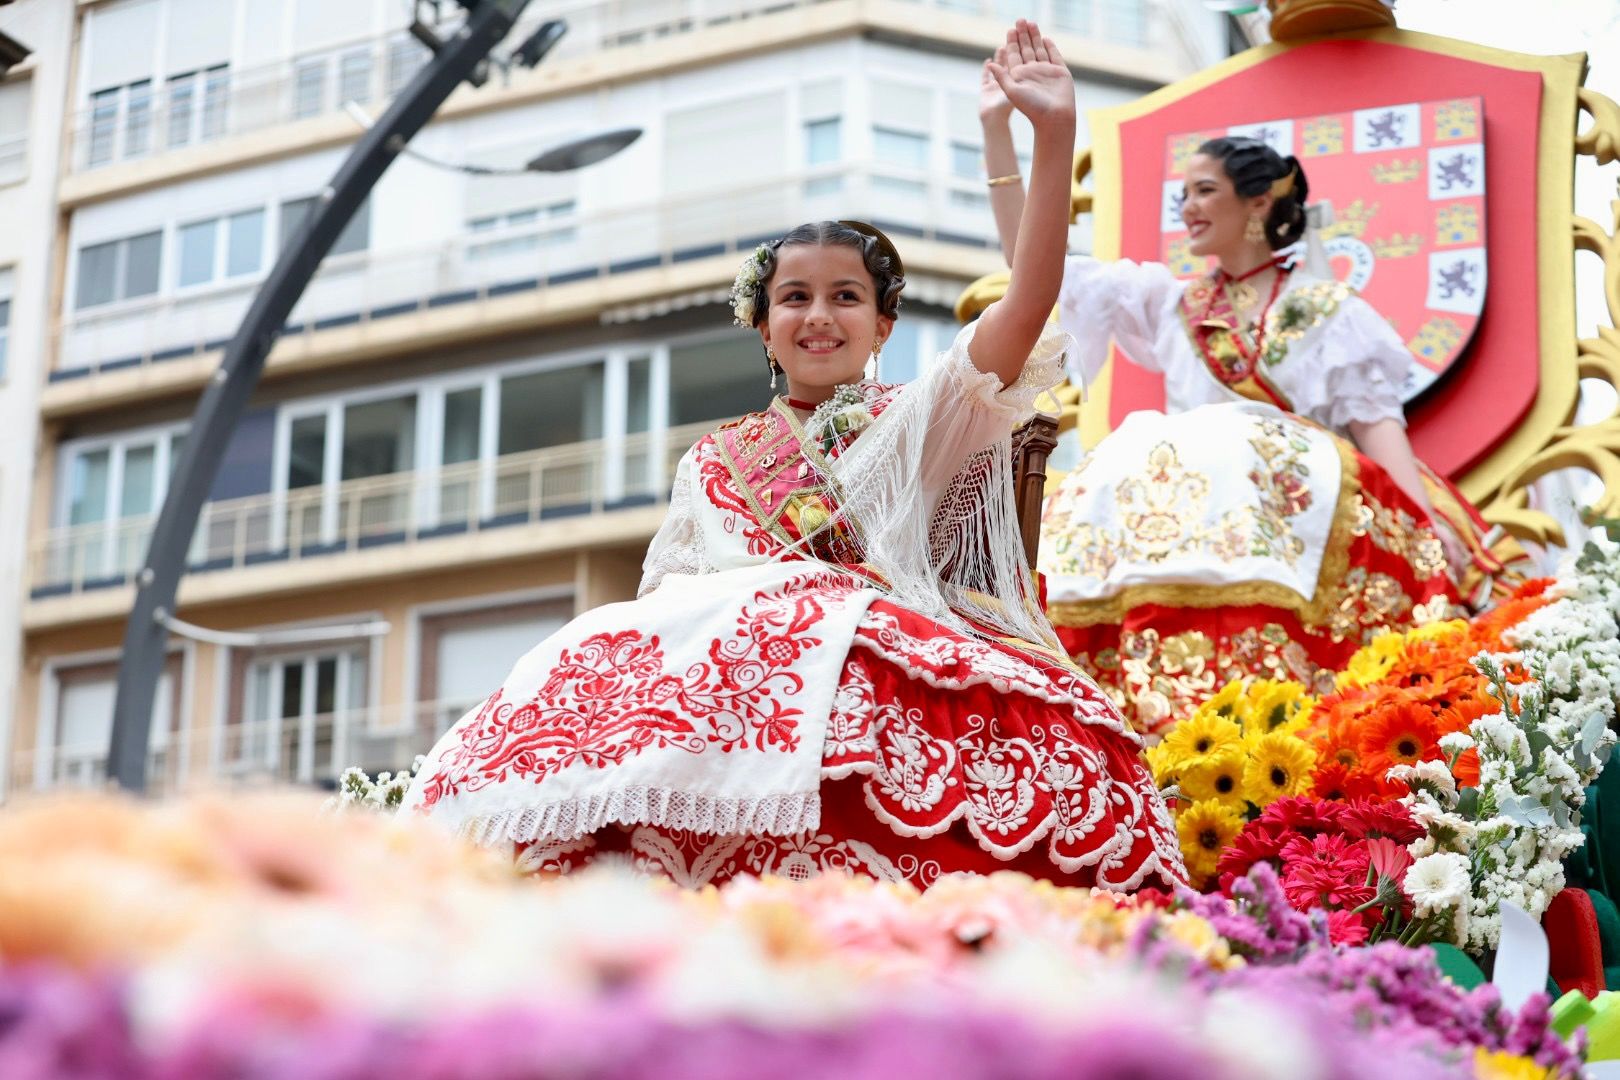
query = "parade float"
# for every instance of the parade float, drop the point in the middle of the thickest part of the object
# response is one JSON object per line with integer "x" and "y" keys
{"x": 1367, "y": 846}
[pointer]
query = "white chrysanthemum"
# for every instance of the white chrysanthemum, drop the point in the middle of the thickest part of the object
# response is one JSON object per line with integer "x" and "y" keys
{"x": 1437, "y": 882}
{"x": 1455, "y": 742}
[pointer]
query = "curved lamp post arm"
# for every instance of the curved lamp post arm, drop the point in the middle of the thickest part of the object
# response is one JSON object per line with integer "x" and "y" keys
{"x": 227, "y": 394}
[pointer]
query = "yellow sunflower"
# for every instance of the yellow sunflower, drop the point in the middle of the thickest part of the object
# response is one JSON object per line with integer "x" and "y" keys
{"x": 1205, "y": 828}
{"x": 1163, "y": 764}
{"x": 1220, "y": 780}
{"x": 1280, "y": 764}
{"x": 1501, "y": 1065}
{"x": 1276, "y": 706}
{"x": 1226, "y": 701}
{"x": 1201, "y": 738}
{"x": 1371, "y": 662}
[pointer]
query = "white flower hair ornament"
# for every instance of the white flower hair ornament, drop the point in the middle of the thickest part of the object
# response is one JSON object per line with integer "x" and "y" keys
{"x": 745, "y": 289}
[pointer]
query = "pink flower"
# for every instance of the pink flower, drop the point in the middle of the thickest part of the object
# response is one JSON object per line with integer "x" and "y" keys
{"x": 1346, "y": 928}
{"x": 1388, "y": 858}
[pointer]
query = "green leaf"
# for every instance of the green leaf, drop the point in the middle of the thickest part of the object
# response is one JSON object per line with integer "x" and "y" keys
{"x": 1592, "y": 731}
{"x": 1468, "y": 802}
{"x": 1539, "y": 742}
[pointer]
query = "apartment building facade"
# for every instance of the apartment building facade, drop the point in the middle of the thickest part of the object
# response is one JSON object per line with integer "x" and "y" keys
{"x": 466, "y": 433}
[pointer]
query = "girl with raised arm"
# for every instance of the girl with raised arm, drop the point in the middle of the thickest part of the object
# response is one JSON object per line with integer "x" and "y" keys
{"x": 1277, "y": 519}
{"x": 837, "y": 661}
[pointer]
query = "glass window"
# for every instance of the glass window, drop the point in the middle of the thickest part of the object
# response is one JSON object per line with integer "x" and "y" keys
{"x": 139, "y": 489}
{"x": 244, "y": 250}
{"x": 551, "y": 408}
{"x": 138, "y": 118}
{"x": 638, "y": 406}
{"x": 970, "y": 200}
{"x": 903, "y": 148}
{"x": 98, "y": 275}
{"x": 354, "y": 77}
{"x": 197, "y": 252}
{"x": 406, "y": 56}
{"x": 5, "y": 333}
{"x": 463, "y": 425}
{"x": 356, "y": 235}
{"x": 379, "y": 437}
{"x": 293, "y": 213}
{"x": 967, "y": 161}
{"x": 1127, "y": 21}
{"x": 1072, "y": 15}
{"x": 821, "y": 141}
{"x": 103, "y": 124}
{"x": 216, "y": 101}
{"x": 899, "y": 362}
{"x": 306, "y": 457}
{"x": 87, "y": 487}
{"x": 717, "y": 380}
{"x": 143, "y": 257}
{"x": 309, "y": 88}
{"x": 182, "y": 106}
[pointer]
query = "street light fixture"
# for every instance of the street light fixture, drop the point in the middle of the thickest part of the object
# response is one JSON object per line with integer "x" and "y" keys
{"x": 574, "y": 154}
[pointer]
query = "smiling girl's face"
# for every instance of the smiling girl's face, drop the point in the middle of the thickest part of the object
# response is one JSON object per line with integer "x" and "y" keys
{"x": 823, "y": 320}
{"x": 1214, "y": 213}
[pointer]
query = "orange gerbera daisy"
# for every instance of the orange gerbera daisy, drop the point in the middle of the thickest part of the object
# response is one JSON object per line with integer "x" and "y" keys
{"x": 1334, "y": 782}
{"x": 1487, "y": 630}
{"x": 1401, "y": 734}
{"x": 1466, "y": 770}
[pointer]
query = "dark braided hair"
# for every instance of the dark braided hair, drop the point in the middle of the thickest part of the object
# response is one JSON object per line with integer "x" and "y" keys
{"x": 1253, "y": 167}
{"x": 877, "y": 252}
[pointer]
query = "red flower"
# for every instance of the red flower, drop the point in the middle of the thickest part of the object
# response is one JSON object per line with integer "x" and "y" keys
{"x": 1346, "y": 928}
{"x": 1258, "y": 842}
{"x": 1303, "y": 814}
{"x": 1366, "y": 818}
{"x": 1326, "y": 871}
{"x": 1388, "y": 858}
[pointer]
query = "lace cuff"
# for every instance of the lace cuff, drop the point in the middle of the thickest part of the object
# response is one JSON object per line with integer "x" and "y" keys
{"x": 678, "y": 547}
{"x": 1042, "y": 371}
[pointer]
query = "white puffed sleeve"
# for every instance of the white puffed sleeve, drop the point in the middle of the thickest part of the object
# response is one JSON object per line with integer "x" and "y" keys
{"x": 1356, "y": 370}
{"x": 1119, "y": 301}
{"x": 678, "y": 546}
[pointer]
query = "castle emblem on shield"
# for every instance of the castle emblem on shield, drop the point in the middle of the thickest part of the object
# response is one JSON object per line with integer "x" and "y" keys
{"x": 1407, "y": 183}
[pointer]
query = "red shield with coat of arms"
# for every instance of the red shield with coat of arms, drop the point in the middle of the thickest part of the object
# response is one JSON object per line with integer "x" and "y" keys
{"x": 1392, "y": 130}
{"x": 1407, "y": 186}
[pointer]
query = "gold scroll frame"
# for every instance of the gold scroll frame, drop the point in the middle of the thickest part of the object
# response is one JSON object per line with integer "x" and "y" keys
{"x": 1545, "y": 439}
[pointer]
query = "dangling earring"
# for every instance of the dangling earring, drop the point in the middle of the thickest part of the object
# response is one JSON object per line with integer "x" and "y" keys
{"x": 770, "y": 358}
{"x": 877, "y": 360}
{"x": 1255, "y": 231}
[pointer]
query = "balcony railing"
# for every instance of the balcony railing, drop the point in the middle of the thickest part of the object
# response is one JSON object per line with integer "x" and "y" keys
{"x": 311, "y": 750}
{"x": 473, "y": 268}
{"x": 85, "y": 767}
{"x": 420, "y": 506}
{"x": 145, "y": 120}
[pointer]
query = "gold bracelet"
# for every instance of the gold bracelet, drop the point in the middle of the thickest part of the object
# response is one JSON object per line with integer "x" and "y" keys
{"x": 998, "y": 181}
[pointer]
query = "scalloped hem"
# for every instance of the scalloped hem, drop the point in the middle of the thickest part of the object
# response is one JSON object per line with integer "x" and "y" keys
{"x": 570, "y": 819}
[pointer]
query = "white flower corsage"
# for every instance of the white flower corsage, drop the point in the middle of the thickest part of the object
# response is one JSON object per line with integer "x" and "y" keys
{"x": 839, "y": 418}
{"x": 745, "y": 289}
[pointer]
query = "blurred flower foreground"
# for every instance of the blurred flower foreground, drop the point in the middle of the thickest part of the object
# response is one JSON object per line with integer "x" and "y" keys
{"x": 269, "y": 937}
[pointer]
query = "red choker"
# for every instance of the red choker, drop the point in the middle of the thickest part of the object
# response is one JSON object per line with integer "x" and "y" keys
{"x": 794, "y": 403}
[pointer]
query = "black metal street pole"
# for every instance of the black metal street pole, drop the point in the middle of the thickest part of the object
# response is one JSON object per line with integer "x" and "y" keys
{"x": 488, "y": 22}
